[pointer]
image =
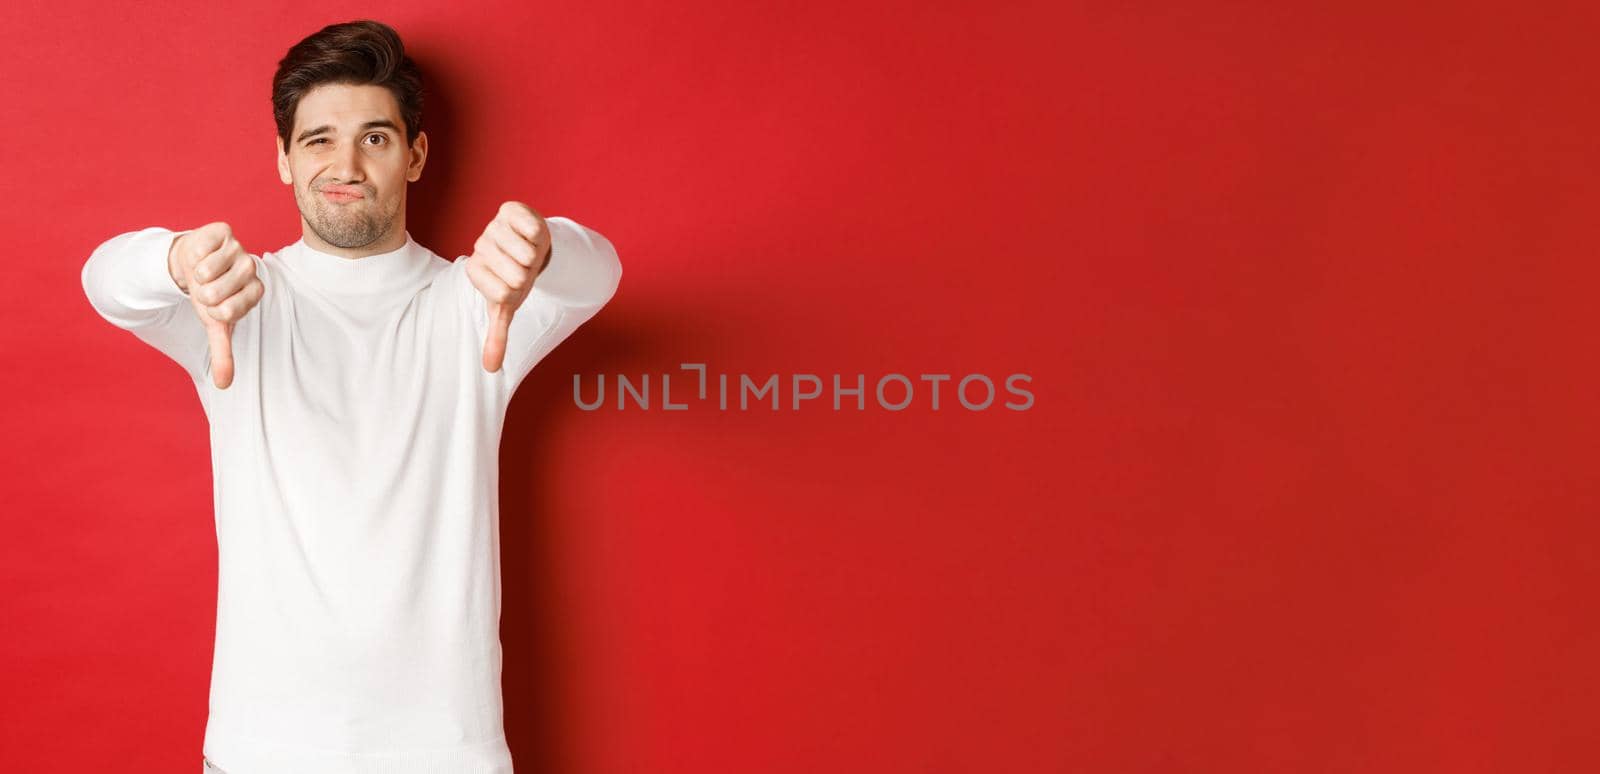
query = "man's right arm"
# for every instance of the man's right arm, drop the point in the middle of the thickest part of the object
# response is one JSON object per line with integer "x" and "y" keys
{"x": 129, "y": 281}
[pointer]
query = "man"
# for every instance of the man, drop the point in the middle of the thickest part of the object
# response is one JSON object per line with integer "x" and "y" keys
{"x": 355, "y": 384}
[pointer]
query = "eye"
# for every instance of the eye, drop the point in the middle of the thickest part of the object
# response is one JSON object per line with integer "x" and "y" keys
{"x": 378, "y": 135}
{"x": 319, "y": 139}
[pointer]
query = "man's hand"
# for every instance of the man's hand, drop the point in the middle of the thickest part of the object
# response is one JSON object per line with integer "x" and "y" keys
{"x": 504, "y": 262}
{"x": 220, "y": 278}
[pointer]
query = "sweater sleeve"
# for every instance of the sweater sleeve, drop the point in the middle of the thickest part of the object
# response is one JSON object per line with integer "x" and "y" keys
{"x": 581, "y": 277}
{"x": 127, "y": 282}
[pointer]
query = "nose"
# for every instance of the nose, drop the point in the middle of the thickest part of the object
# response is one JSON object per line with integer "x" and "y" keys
{"x": 347, "y": 165}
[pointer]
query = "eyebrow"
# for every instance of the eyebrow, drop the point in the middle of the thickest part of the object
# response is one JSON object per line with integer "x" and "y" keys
{"x": 381, "y": 123}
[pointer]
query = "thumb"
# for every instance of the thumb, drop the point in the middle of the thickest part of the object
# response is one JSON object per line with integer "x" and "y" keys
{"x": 494, "y": 345}
{"x": 220, "y": 336}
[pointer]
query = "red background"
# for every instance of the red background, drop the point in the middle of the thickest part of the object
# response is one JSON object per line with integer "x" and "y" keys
{"x": 1305, "y": 295}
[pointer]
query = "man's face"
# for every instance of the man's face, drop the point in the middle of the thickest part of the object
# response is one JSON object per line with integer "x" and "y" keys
{"x": 349, "y": 164}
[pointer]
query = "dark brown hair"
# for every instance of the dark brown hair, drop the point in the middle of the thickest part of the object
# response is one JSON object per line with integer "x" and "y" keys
{"x": 357, "y": 53}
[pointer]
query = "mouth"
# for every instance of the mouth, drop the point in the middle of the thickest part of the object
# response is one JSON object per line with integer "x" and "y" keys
{"x": 342, "y": 193}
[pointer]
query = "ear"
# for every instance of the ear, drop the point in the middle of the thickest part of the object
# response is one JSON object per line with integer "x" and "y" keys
{"x": 419, "y": 156}
{"x": 283, "y": 165}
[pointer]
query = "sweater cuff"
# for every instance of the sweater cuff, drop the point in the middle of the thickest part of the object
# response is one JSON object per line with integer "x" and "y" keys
{"x": 583, "y": 269}
{"x": 148, "y": 250}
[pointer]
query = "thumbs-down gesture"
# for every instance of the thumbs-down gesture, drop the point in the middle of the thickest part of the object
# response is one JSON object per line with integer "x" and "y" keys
{"x": 220, "y": 278}
{"x": 504, "y": 262}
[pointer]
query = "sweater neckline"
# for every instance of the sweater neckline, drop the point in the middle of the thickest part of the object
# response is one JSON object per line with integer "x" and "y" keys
{"x": 376, "y": 274}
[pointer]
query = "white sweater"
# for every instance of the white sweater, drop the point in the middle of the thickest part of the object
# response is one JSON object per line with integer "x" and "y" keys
{"x": 355, "y": 464}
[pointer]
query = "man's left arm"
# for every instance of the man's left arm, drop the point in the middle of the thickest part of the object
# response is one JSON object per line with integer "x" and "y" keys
{"x": 537, "y": 280}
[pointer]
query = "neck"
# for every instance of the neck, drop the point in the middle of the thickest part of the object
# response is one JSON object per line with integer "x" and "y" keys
{"x": 388, "y": 243}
